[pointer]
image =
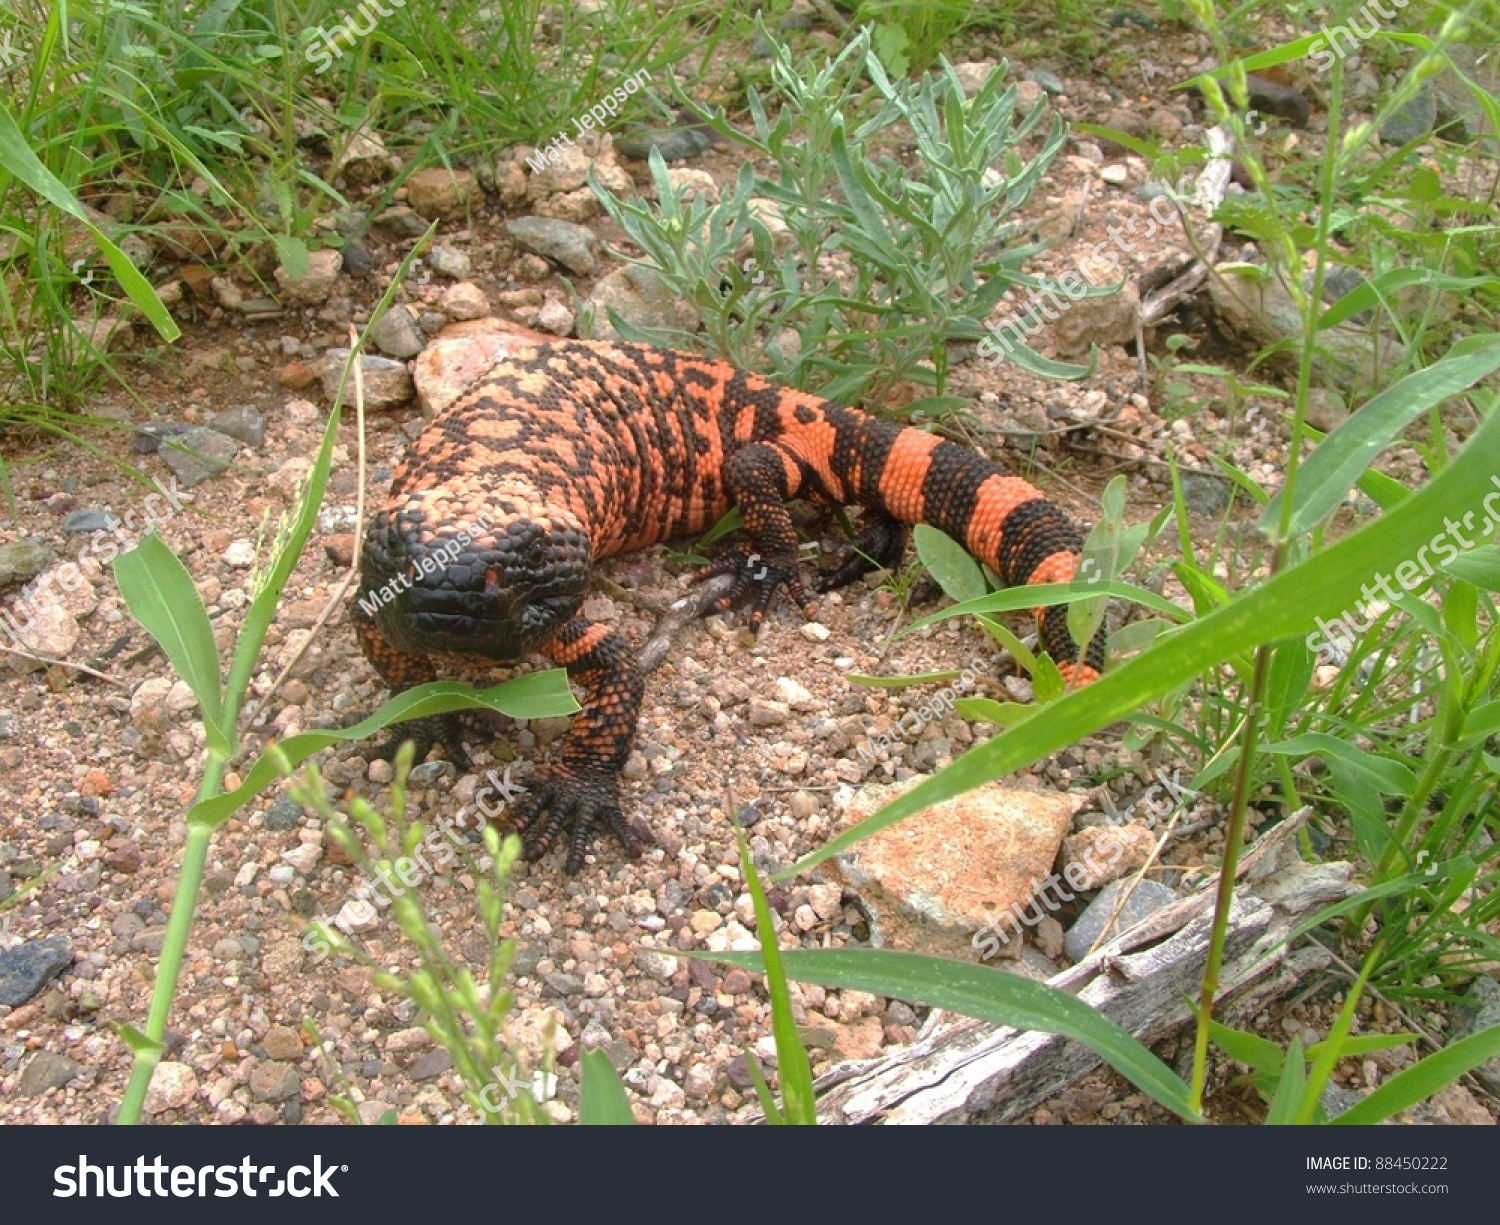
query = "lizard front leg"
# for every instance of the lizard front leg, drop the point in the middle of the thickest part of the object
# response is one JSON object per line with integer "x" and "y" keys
{"x": 583, "y": 789}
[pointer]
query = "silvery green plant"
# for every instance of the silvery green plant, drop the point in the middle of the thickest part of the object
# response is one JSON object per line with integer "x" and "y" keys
{"x": 850, "y": 271}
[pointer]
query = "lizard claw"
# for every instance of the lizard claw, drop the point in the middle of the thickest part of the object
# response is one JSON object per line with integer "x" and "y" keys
{"x": 756, "y": 578}
{"x": 582, "y": 797}
{"x": 444, "y": 731}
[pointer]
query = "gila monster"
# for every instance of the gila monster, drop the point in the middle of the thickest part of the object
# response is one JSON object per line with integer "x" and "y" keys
{"x": 577, "y": 450}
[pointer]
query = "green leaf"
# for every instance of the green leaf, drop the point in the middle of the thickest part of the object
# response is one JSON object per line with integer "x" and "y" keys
{"x": 1390, "y": 777}
{"x": 799, "y": 1104}
{"x": 948, "y": 562}
{"x": 1372, "y": 293}
{"x": 1143, "y": 148}
{"x": 1420, "y": 1081}
{"x": 901, "y": 682}
{"x": 1281, "y": 607}
{"x": 1336, "y": 464}
{"x": 1288, "y": 1100}
{"x": 1480, "y": 566}
{"x": 293, "y": 252}
{"x": 601, "y": 1097}
{"x": 1257, "y": 1053}
{"x": 536, "y": 695}
{"x": 16, "y": 157}
{"x": 161, "y": 595}
{"x": 991, "y": 995}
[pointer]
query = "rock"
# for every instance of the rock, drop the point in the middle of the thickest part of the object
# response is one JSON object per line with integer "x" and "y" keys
{"x": 674, "y": 144}
{"x": 660, "y": 966}
{"x": 465, "y": 301}
{"x": 22, "y": 560}
{"x": 47, "y": 1070}
{"x": 640, "y": 298}
{"x": 449, "y": 262}
{"x": 1049, "y": 81}
{"x": 1270, "y": 98}
{"x": 387, "y": 382}
{"x": 864, "y": 1039}
{"x": 570, "y": 245}
{"x": 47, "y": 629}
{"x": 457, "y": 359}
{"x": 362, "y": 159}
{"x": 564, "y": 984}
{"x": 90, "y": 521}
{"x": 973, "y": 74}
{"x": 283, "y": 814}
{"x": 243, "y": 424}
{"x": 402, "y": 221}
{"x": 932, "y": 882}
{"x": 148, "y": 707}
{"x": 1094, "y": 321}
{"x": 274, "y": 1082}
{"x": 396, "y": 333}
{"x": 284, "y": 1043}
{"x": 314, "y": 286}
{"x": 1414, "y": 119}
{"x": 555, "y": 318}
{"x": 1127, "y": 120}
{"x": 27, "y": 967}
{"x": 1325, "y": 410}
{"x": 1115, "y": 174}
{"x": 765, "y": 713}
{"x": 173, "y": 1086}
{"x": 430, "y": 1064}
{"x": 1479, "y": 1010}
{"x": 439, "y": 192}
{"x": 198, "y": 454}
{"x": 793, "y": 694}
{"x": 227, "y": 294}
{"x": 1461, "y": 116}
{"x": 296, "y": 376}
{"x": 568, "y": 167}
{"x": 1101, "y": 853}
{"x": 1205, "y": 495}
{"x": 688, "y": 184}
{"x": 1145, "y": 900}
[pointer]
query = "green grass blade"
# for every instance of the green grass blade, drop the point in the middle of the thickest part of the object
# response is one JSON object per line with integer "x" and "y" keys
{"x": 990, "y": 995}
{"x": 536, "y": 695}
{"x": 161, "y": 595}
{"x": 1420, "y": 1081}
{"x": 601, "y": 1097}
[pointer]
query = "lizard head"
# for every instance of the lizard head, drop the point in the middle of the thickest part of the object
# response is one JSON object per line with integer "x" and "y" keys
{"x": 495, "y": 584}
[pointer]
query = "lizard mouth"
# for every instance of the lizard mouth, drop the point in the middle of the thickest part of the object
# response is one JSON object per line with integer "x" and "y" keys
{"x": 498, "y": 597}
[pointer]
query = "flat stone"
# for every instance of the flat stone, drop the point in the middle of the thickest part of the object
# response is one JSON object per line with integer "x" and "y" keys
{"x": 464, "y": 301}
{"x": 47, "y": 1070}
{"x": 274, "y": 1082}
{"x": 460, "y": 356}
{"x": 1412, "y": 120}
{"x": 387, "y": 383}
{"x": 47, "y": 629}
{"x": 242, "y": 423}
{"x": 932, "y": 882}
{"x": 362, "y": 159}
{"x": 22, "y": 560}
{"x": 440, "y": 192}
{"x": 572, "y": 246}
{"x": 284, "y": 1043}
{"x": 430, "y": 1064}
{"x": 90, "y": 521}
{"x": 317, "y": 281}
{"x": 674, "y": 144}
{"x": 641, "y": 298}
{"x": 1099, "y": 854}
{"x": 1145, "y": 899}
{"x": 449, "y": 262}
{"x": 198, "y": 454}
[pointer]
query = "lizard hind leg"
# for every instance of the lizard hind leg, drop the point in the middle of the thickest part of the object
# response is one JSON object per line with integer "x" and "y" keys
{"x": 880, "y": 545}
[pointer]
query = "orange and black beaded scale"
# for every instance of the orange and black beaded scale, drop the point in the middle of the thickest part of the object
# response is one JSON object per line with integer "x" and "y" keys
{"x": 571, "y": 451}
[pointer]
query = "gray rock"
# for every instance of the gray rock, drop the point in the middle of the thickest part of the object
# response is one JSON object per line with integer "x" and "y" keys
{"x": 674, "y": 144}
{"x": 564, "y": 984}
{"x": 1049, "y": 81}
{"x": 148, "y": 438}
{"x": 1460, "y": 114}
{"x": 1413, "y": 120}
{"x": 22, "y": 560}
{"x": 396, "y": 334}
{"x": 27, "y": 968}
{"x": 90, "y": 521}
{"x": 47, "y": 1070}
{"x": 387, "y": 383}
{"x": 1480, "y": 1010}
{"x": 1325, "y": 411}
{"x": 570, "y": 245}
{"x": 431, "y": 1063}
{"x": 641, "y": 298}
{"x": 1205, "y": 495}
{"x": 283, "y": 814}
{"x": 274, "y": 1082}
{"x": 198, "y": 454}
{"x": 449, "y": 262}
{"x": 317, "y": 281}
{"x": 1145, "y": 900}
{"x": 403, "y": 221}
{"x": 241, "y": 423}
